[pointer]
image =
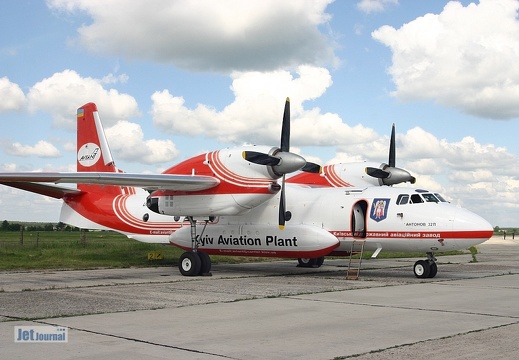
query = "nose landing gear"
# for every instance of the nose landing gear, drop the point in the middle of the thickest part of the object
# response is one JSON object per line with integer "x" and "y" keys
{"x": 426, "y": 268}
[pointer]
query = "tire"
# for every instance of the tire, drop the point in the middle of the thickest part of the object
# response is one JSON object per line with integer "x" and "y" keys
{"x": 320, "y": 261}
{"x": 205, "y": 260}
{"x": 306, "y": 262}
{"x": 434, "y": 270}
{"x": 422, "y": 269}
{"x": 189, "y": 264}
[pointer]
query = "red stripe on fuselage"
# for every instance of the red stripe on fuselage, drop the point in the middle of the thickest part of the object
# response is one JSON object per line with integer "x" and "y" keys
{"x": 112, "y": 212}
{"x": 460, "y": 234}
{"x": 122, "y": 212}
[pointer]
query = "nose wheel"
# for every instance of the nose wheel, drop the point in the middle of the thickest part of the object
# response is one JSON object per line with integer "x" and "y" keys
{"x": 426, "y": 268}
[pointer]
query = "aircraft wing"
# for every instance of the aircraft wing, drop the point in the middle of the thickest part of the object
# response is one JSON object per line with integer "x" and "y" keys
{"x": 28, "y": 181}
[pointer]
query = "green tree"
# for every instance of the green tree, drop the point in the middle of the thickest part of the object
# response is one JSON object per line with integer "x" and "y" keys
{"x": 5, "y": 225}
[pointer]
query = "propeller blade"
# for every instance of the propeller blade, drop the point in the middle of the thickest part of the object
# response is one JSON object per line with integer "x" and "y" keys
{"x": 282, "y": 205}
{"x": 377, "y": 173}
{"x": 312, "y": 168}
{"x": 392, "y": 148}
{"x": 389, "y": 173}
{"x": 285, "y": 129}
{"x": 260, "y": 158}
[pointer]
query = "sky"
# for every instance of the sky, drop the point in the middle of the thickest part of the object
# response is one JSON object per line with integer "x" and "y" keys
{"x": 173, "y": 79}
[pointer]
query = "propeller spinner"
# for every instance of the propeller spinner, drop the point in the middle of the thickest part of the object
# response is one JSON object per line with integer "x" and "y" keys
{"x": 281, "y": 162}
{"x": 389, "y": 174}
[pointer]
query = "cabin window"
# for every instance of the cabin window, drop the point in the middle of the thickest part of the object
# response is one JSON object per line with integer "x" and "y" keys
{"x": 416, "y": 199}
{"x": 402, "y": 199}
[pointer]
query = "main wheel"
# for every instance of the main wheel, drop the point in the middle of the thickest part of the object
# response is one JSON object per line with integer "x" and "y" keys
{"x": 189, "y": 264}
{"x": 434, "y": 270}
{"x": 306, "y": 262}
{"x": 422, "y": 269}
{"x": 205, "y": 260}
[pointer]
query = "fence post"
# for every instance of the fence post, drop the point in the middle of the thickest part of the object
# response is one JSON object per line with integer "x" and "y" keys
{"x": 82, "y": 237}
{"x": 21, "y": 235}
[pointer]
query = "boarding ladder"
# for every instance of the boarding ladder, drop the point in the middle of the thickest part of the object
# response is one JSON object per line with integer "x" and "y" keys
{"x": 353, "y": 271}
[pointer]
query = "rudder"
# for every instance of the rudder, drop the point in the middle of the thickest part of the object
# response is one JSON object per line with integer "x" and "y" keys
{"x": 93, "y": 152}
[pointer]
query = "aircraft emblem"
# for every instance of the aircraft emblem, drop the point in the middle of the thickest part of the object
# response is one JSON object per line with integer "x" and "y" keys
{"x": 89, "y": 154}
{"x": 379, "y": 209}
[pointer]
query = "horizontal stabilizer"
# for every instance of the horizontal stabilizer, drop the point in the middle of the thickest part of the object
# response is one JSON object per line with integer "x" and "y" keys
{"x": 55, "y": 191}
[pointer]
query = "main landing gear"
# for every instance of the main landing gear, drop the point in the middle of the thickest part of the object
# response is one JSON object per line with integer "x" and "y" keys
{"x": 426, "y": 268}
{"x": 194, "y": 262}
{"x": 310, "y": 263}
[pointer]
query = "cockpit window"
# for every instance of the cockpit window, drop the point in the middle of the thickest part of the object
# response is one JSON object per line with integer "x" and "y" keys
{"x": 422, "y": 197}
{"x": 415, "y": 199}
{"x": 402, "y": 199}
{"x": 440, "y": 197}
{"x": 430, "y": 198}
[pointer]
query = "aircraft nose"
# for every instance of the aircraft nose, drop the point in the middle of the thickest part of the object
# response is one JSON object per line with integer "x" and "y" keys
{"x": 472, "y": 225}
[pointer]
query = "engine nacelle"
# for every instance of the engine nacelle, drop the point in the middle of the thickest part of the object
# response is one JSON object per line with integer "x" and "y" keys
{"x": 243, "y": 185}
{"x": 359, "y": 174}
{"x": 204, "y": 205}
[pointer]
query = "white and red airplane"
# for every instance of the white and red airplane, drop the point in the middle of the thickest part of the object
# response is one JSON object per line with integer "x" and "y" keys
{"x": 233, "y": 202}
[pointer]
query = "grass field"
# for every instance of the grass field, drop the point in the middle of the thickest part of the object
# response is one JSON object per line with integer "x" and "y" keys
{"x": 98, "y": 249}
{"x": 93, "y": 249}
{"x": 69, "y": 250}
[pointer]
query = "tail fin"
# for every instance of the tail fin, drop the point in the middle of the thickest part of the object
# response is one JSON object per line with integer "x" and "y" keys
{"x": 93, "y": 152}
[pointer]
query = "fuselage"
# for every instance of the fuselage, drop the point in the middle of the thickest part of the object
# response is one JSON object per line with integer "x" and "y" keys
{"x": 324, "y": 221}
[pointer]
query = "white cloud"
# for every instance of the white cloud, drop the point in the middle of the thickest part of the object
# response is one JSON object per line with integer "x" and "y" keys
{"x": 256, "y": 113}
{"x": 370, "y": 6}
{"x": 114, "y": 79}
{"x": 11, "y": 95}
{"x": 126, "y": 139}
{"x": 62, "y": 93}
{"x": 220, "y": 35}
{"x": 476, "y": 176}
{"x": 42, "y": 149}
{"x": 467, "y": 154}
{"x": 464, "y": 57}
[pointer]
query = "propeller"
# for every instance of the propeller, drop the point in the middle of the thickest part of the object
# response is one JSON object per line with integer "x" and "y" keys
{"x": 389, "y": 174}
{"x": 281, "y": 161}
